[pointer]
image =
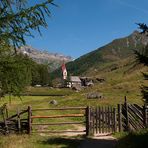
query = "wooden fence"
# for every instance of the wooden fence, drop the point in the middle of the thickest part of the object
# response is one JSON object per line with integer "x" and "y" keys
{"x": 134, "y": 117}
{"x": 125, "y": 117}
{"x": 105, "y": 119}
{"x": 32, "y": 119}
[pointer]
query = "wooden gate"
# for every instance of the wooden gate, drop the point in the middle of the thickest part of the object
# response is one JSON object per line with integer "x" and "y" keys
{"x": 49, "y": 118}
{"x": 102, "y": 120}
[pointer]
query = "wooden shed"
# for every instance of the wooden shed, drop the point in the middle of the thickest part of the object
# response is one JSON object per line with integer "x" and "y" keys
{"x": 75, "y": 81}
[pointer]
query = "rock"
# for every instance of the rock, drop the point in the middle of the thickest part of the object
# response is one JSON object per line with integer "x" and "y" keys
{"x": 76, "y": 88}
{"x": 94, "y": 95}
{"x": 54, "y": 102}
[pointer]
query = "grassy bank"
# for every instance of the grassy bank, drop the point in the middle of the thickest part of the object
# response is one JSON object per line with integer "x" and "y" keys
{"x": 137, "y": 139}
{"x": 37, "y": 141}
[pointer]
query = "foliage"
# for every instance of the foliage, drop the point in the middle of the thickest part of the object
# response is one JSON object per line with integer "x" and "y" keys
{"x": 15, "y": 74}
{"x": 142, "y": 57}
{"x": 17, "y": 19}
{"x": 19, "y": 71}
{"x": 132, "y": 140}
{"x": 40, "y": 75}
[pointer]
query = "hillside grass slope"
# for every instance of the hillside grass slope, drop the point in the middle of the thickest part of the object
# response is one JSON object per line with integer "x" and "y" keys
{"x": 108, "y": 55}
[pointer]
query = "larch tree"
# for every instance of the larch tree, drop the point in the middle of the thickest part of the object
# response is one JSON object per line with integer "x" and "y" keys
{"x": 18, "y": 18}
{"x": 142, "y": 57}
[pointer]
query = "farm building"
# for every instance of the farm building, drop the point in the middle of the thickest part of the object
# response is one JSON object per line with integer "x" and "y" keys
{"x": 78, "y": 82}
{"x": 75, "y": 81}
{"x": 86, "y": 81}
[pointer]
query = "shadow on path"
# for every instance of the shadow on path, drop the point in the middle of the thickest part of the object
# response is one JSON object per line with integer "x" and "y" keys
{"x": 66, "y": 142}
{"x": 73, "y": 142}
{"x": 98, "y": 143}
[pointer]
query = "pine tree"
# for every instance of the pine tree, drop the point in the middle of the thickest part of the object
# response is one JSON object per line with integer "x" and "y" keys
{"x": 15, "y": 74}
{"x": 142, "y": 57}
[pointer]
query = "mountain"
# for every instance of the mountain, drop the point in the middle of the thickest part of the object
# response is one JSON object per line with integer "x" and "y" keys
{"x": 54, "y": 60}
{"x": 106, "y": 57}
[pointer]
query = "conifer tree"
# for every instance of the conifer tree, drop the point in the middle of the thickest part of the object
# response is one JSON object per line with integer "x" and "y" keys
{"x": 142, "y": 57}
{"x": 18, "y": 18}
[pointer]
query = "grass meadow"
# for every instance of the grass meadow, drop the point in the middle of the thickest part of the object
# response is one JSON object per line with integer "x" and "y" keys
{"x": 116, "y": 86}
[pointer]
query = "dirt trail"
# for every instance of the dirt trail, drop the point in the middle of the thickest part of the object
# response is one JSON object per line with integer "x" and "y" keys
{"x": 99, "y": 141}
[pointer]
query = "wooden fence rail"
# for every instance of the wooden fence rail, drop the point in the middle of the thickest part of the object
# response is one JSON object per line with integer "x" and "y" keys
{"x": 31, "y": 118}
{"x": 100, "y": 119}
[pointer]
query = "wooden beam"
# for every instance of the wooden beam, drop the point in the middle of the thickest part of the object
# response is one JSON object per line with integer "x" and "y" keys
{"x": 59, "y": 123}
{"x": 59, "y": 116}
{"x": 87, "y": 121}
{"x": 62, "y": 131}
{"x": 119, "y": 118}
{"x": 18, "y": 120}
{"x": 29, "y": 119}
{"x": 66, "y": 108}
{"x": 114, "y": 119}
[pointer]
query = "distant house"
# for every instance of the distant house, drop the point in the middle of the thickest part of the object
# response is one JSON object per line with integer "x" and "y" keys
{"x": 86, "y": 81}
{"x": 78, "y": 82}
{"x": 75, "y": 82}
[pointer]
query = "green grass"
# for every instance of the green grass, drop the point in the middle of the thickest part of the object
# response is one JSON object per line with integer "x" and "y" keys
{"x": 37, "y": 141}
{"x": 116, "y": 86}
{"x": 132, "y": 140}
{"x": 45, "y": 91}
{"x": 111, "y": 97}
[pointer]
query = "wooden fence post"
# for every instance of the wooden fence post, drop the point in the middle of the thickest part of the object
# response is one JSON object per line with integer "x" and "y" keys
{"x": 6, "y": 108}
{"x": 145, "y": 117}
{"x": 88, "y": 121}
{"x": 115, "y": 119}
{"x": 5, "y": 122}
{"x": 96, "y": 120}
{"x": 102, "y": 119}
{"x": 119, "y": 118}
{"x": 109, "y": 119}
{"x": 93, "y": 121}
{"x": 18, "y": 120}
{"x": 126, "y": 115}
{"x": 99, "y": 119}
{"x": 29, "y": 119}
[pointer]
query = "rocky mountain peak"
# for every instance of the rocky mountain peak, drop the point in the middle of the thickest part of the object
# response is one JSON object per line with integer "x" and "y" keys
{"x": 54, "y": 60}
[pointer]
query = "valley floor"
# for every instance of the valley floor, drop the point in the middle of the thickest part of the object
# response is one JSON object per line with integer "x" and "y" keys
{"x": 41, "y": 98}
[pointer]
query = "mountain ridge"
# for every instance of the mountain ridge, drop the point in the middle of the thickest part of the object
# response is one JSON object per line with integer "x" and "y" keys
{"x": 54, "y": 60}
{"x": 114, "y": 51}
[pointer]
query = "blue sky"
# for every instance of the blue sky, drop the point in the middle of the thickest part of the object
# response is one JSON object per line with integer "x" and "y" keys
{"x": 77, "y": 27}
